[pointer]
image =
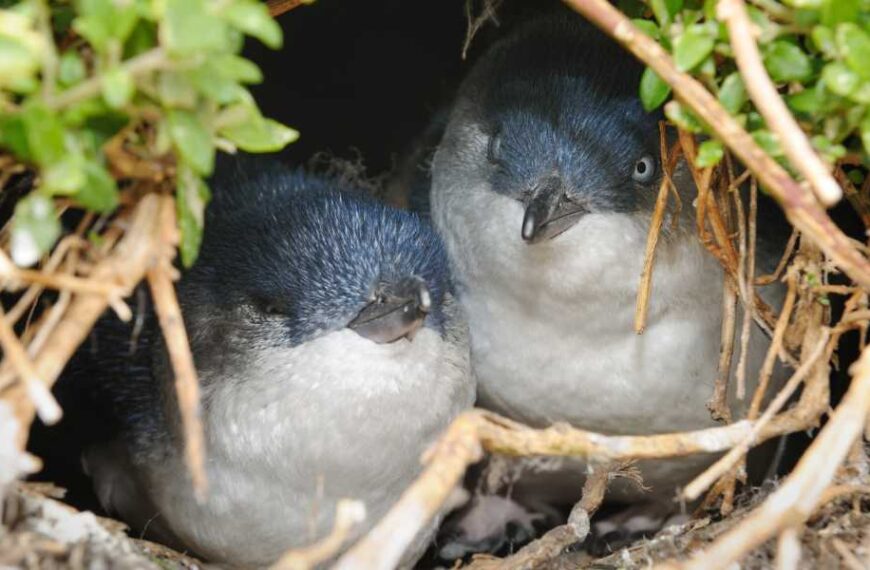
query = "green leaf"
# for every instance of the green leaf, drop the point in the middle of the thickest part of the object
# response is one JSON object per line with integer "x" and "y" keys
{"x": 865, "y": 133}
{"x": 118, "y": 87}
{"x": 732, "y": 93}
{"x": 192, "y": 140}
{"x": 45, "y": 135}
{"x": 786, "y": 62}
{"x": 829, "y": 150}
{"x": 16, "y": 61}
{"x": 647, "y": 27}
{"x": 176, "y": 90}
{"x": 188, "y": 28}
{"x": 238, "y": 68}
{"x": 100, "y": 21}
{"x": 213, "y": 83}
{"x": 768, "y": 141}
{"x": 692, "y": 47}
{"x": 862, "y": 94}
{"x": 839, "y": 79}
{"x": 682, "y": 117}
{"x": 806, "y": 101}
{"x": 65, "y": 176}
{"x": 665, "y": 10}
{"x": 71, "y": 68}
{"x": 35, "y": 228}
{"x": 823, "y": 39}
{"x": 854, "y": 44}
{"x": 142, "y": 38}
{"x": 838, "y": 11}
{"x": 99, "y": 192}
{"x": 653, "y": 90}
{"x": 710, "y": 153}
{"x": 260, "y": 135}
{"x": 253, "y": 18}
{"x": 13, "y": 136}
{"x": 191, "y": 197}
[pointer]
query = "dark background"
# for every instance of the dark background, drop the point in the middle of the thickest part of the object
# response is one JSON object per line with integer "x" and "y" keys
{"x": 361, "y": 76}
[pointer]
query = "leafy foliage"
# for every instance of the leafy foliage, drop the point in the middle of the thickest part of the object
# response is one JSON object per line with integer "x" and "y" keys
{"x": 816, "y": 51}
{"x": 89, "y": 87}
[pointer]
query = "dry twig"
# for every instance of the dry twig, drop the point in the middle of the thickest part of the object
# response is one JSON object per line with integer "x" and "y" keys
{"x": 160, "y": 277}
{"x": 278, "y": 7}
{"x": 655, "y": 228}
{"x": 348, "y": 514}
{"x": 555, "y": 541}
{"x": 796, "y": 499}
{"x": 126, "y": 266}
{"x": 771, "y": 106}
{"x": 44, "y": 403}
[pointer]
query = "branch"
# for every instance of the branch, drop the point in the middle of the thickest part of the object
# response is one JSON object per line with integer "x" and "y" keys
{"x": 278, "y": 7}
{"x": 125, "y": 266}
{"x": 383, "y": 546}
{"x": 554, "y": 542}
{"x": 160, "y": 277}
{"x": 348, "y": 514}
{"x": 46, "y": 406}
{"x": 796, "y": 499}
{"x": 771, "y": 106}
{"x": 472, "y": 432}
{"x": 799, "y": 204}
{"x": 135, "y": 66}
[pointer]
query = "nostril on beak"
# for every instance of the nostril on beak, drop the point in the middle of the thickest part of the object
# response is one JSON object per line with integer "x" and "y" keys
{"x": 398, "y": 311}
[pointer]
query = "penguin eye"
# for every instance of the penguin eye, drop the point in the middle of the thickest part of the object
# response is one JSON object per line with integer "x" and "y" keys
{"x": 644, "y": 169}
{"x": 493, "y": 149}
{"x": 269, "y": 308}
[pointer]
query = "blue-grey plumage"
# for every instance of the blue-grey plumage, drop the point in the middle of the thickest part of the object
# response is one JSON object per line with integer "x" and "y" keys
{"x": 543, "y": 187}
{"x": 329, "y": 352}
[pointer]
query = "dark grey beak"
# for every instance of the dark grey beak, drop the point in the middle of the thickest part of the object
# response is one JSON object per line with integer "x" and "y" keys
{"x": 550, "y": 211}
{"x": 397, "y": 311}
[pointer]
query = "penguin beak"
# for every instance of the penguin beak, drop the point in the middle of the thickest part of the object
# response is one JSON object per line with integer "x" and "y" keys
{"x": 397, "y": 311}
{"x": 550, "y": 211}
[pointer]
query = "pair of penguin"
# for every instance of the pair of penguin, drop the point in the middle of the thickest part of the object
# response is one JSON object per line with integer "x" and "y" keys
{"x": 335, "y": 337}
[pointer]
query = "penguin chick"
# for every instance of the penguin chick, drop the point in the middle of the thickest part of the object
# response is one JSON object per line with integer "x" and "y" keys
{"x": 329, "y": 353}
{"x": 543, "y": 189}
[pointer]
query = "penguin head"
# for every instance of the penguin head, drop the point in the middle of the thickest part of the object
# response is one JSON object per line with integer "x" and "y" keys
{"x": 550, "y": 117}
{"x": 288, "y": 257}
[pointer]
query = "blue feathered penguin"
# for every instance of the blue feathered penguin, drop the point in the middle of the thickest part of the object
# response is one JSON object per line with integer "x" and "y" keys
{"x": 330, "y": 355}
{"x": 543, "y": 188}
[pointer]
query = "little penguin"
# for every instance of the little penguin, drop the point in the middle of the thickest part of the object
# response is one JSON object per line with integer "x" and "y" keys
{"x": 543, "y": 188}
{"x": 330, "y": 354}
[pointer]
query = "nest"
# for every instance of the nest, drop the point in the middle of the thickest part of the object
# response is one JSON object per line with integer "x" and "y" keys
{"x": 817, "y": 515}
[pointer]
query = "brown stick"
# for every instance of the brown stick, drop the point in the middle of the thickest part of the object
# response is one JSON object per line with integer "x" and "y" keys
{"x": 794, "y": 501}
{"x": 725, "y": 463}
{"x": 45, "y": 404}
{"x": 800, "y": 205}
{"x": 383, "y": 546}
{"x": 348, "y": 514}
{"x": 771, "y": 106}
{"x": 655, "y": 229}
{"x": 475, "y": 430}
{"x": 160, "y": 277}
{"x": 125, "y": 266}
{"x": 278, "y": 7}
{"x": 718, "y": 402}
{"x": 554, "y": 542}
